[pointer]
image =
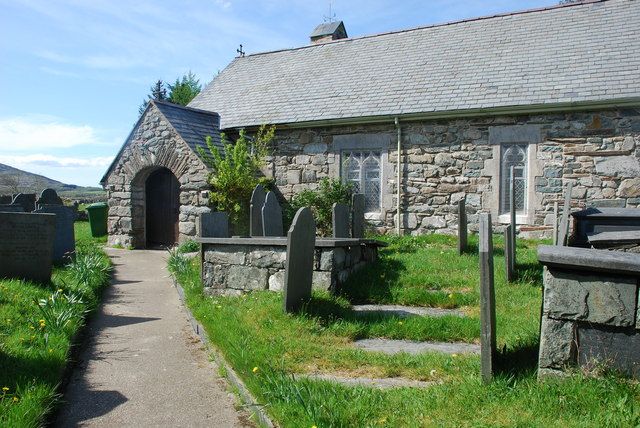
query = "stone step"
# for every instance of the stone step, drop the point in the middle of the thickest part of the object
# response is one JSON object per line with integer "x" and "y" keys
{"x": 391, "y": 347}
{"x": 380, "y": 383}
{"x": 406, "y": 311}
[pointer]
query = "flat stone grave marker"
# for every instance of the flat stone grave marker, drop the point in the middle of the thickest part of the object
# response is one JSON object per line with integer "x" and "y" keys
{"x": 487, "y": 300}
{"x": 392, "y": 347}
{"x": 64, "y": 244}
{"x": 26, "y": 200}
{"x": 49, "y": 197}
{"x": 563, "y": 232}
{"x": 26, "y": 245}
{"x": 462, "y": 226}
{"x": 340, "y": 219}
{"x": 357, "y": 219}
{"x": 405, "y": 311}
{"x": 255, "y": 218}
{"x": 214, "y": 225}
{"x": 10, "y": 208}
{"x": 272, "y": 216}
{"x": 298, "y": 276}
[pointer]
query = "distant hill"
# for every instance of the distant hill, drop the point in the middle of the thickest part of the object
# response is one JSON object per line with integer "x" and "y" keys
{"x": 14, "y": 180}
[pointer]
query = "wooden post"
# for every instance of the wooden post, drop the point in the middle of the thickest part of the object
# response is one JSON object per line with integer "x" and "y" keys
{"x": 512, "y": 196}
{"x": 462, "y": 226}
{"x": 563, "y": 232}
{"x": 487, "y": 300}
{"x": 508, "y": 254}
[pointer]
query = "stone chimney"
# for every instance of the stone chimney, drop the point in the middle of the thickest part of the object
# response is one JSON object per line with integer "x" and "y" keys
{"x": 327, "y": 32}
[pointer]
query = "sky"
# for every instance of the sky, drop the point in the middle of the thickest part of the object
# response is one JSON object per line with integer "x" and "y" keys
{"x": 74, "y": 72}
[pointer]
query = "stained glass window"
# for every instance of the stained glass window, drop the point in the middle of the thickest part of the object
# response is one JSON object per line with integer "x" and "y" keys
{"x": 363, "y": 170}
{"x": 513, "y": 155}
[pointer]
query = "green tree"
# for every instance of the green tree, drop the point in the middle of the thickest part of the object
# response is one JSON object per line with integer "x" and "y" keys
{"x": 235, "y": 173}
{"x": 158, "y": 92}
{"x": 185, "y": 89}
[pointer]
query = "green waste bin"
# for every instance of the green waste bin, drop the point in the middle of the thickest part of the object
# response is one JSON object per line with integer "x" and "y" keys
{"x": 98, "y": 218}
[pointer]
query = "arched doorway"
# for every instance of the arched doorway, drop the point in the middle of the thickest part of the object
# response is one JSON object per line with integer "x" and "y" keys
{"x": 162, "y": 197}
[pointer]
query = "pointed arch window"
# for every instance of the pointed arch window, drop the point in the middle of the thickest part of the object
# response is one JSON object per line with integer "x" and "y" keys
{"x": 513, "y": 155}
{"x": 363, "y": 170}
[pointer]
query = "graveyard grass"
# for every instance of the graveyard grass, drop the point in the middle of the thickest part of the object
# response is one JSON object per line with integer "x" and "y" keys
{"x": 35, "y": 339}
{"x": 271, "y": 350}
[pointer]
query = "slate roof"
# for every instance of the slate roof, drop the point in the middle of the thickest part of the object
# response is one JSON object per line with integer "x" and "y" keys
{"x": 577, "y": 53}
{"x": 326, "y": 29}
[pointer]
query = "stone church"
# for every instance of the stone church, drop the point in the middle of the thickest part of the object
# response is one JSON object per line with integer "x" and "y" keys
{"x": 415, "y": 119}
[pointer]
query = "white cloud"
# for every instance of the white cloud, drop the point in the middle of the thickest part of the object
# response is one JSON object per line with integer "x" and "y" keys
{"x": 37, "y": 133}
{"x": 41, "y": 160}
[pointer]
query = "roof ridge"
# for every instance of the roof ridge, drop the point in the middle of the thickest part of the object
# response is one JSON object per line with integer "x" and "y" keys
{"x": 441, "y": 24}
{"x": 179, "y": 106}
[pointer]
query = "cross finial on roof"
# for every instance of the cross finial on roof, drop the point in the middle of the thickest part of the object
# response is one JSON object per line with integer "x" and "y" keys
{"x": 331, "y": 16}
{"x": 240, "y": 51}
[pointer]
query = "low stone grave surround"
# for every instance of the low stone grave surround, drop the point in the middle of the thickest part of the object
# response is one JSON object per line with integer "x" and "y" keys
{"x": 236, "y": 265}
{"x": 590, "y": 313}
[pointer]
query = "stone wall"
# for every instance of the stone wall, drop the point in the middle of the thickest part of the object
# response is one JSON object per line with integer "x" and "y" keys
{"x": 236, "y": 267}
{"x": 153, "y": 144}
{"x": 446, "y": 160}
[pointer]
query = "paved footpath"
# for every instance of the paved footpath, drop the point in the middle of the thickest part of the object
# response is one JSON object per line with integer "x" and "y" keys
{"x": 142, "y": 365}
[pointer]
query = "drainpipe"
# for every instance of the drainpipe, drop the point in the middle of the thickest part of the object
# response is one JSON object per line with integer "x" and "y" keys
{"x": 399, "y": 174}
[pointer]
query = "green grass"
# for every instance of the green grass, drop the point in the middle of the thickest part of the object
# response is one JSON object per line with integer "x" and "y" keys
{"x": 37, "y": 323}
{"x": 270, "y": 350}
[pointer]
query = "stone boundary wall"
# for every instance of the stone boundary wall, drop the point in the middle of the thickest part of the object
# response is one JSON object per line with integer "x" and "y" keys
{"x": 444, "y": 160}
{"x": 590, "y": 314}
{"x": 153, "y": 144}
{"x": 237, "y": 267}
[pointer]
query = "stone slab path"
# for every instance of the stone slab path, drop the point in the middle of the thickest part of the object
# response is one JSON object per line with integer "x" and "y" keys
{"x": 142, "y": 365}
{"x": 391, "y": 347}
{"x": 406, "y": 311}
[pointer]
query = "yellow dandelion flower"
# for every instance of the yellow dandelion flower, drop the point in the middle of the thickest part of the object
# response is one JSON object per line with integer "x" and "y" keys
{"x": 454, "y": 355}
{"x": 255, "y": 370}
{"x": 59, "y": 290}
{"x": 400, "y": 322}
{"x": 50, "y": 350}
{"x": 5, "y": 388}
{"x": 313, "y": 426}
{"x": 32, "y": 327}
{"x": 432, "y": 373}
{"x": 451, "y": 295}
{"x": 15, "y": 399}
{"x": 218, "y": 306}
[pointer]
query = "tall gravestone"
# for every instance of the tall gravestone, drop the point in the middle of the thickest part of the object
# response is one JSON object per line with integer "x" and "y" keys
{"x": 214, "y": 225}
{"x": 272, "y": 216}
{"x": 64, "y": 244}
{"x": 26, "y": 245}
{"x": 508, "y": 253}
{"x": 555, "y": 223}
{"x": 340, "y": 220}
{"x": 255, "y": 218}
{"x": 10, "y": 208}
{"x": 487, "y": 300}
{"x": 512, "y": 215}
{"x": 357, "y": 215}
{"x": 49, "y": 197}
{"x": 298, "y": 276}
{"x": 563, "y": 230}
{"x": 462, "y": 226}
{"x": 26, "y": 200}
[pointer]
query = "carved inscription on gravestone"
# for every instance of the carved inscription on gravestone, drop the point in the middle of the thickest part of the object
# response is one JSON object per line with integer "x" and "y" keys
{"x": 26, "y": 245}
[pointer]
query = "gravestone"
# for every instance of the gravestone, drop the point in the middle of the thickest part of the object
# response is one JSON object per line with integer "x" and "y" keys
{"x": 64, "y": 244}
{"x": 298, "y": 276}
{"x": 26, "y": 200}
{"x": 272, "y": 216}
{"x": 508, "y": 253}
{"x": 563, "y": 232}
{"x": 555, "y": 223}
{"x": 5, "y": 199}
{"x": 512, "y": 215}
{"x": 340, "y": 219}
{"x": 255, "y": 213}
{"x": 214, "y": 225}
{"x": 487, "y": 300}
{"x": 357, "y": 215}
{"x": 10, "y": 208}
{"x": 49, "y": 197}
{"x": 26, "y": 245}
{"x": 462, "y": 226}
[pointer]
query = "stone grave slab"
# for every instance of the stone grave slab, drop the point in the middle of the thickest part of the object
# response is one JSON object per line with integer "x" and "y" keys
{"x": 392, "y": 347}
{"x": 298, "y": 277}
{"x": 406, "y": 311}
{"x": 357, "y": 215}
{"x": 64, "y": 244}
{"x": 379, "y": 383}
{"x": 255, "y": 217}
{"x": 214, "y": 225}
{"x": 49, "y": 197}
{"x": 340, "y": 219}
{"x": 10, "y": 208}
{"x": 487, "y": 299}
{"x": 272, "y": 216}
{"x": 26, "y": 245}
{"x": 26, "y": 200}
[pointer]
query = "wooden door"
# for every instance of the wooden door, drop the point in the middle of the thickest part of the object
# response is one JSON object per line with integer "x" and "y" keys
{"x": 162, "y": 208}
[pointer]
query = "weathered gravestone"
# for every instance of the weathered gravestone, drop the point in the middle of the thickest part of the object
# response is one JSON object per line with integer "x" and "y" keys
{"x": 26, "y": 200}
{"x": 272, "y": 216}
{"x": 555, "y": 223}
{"x": 563, "y": 232}
{"x": 357, "y": 215}
{"x": 487, "y": 300}
{"x": 214, "y": 225}
{"x": 512, "y": 215}
{"x": 10, "y": 208}
{"x": 462, "y": 226}
{"x": 255, "y": 217}
{"x": 340, "y": 220}
{"x": 49, "y": 197}
{"x": 26, "y": 245}
{"x": 508, "y": 254}
{"x": 298, "y": 276}
{"x": 64, "y": 244}
{"x": 5, "y": 199}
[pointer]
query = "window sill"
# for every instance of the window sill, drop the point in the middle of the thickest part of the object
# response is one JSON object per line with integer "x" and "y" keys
{"x": 520, "y": 219}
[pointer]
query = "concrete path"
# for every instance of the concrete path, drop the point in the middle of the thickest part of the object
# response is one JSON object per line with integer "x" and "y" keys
{"x": 142, "y": 366}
